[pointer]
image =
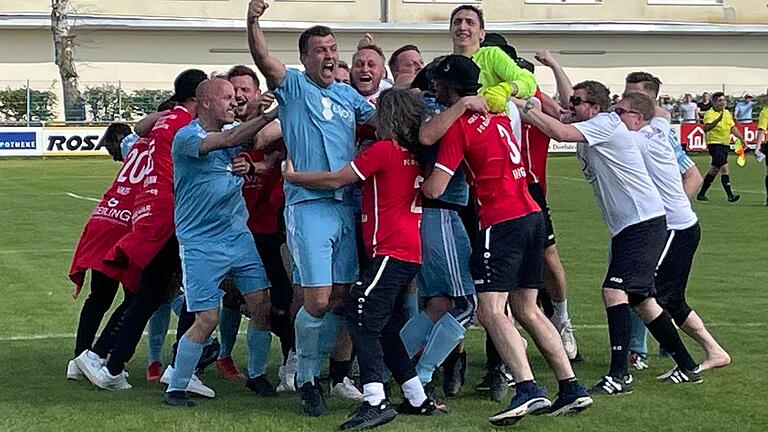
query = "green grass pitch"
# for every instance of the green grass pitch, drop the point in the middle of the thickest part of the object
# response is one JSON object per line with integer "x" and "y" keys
{"x": 40, "y": 224}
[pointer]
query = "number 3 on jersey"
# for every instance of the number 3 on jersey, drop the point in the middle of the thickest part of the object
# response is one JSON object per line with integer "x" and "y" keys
{"x": 514, "y": 150}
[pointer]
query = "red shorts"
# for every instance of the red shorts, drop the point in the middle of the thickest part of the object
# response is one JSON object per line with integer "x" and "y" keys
{"x": 152, "y": 228}
{"x": 97, "y": 240}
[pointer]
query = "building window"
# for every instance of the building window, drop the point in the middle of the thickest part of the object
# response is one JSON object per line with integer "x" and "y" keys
{"x": 685, "y": 2}
{"x": 563, "y": 1}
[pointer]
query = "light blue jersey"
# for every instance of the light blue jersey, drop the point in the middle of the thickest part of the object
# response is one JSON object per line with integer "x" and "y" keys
{"x": 457, "y": 190}
{"x": 318, "y": 126}
{"x": 683, "y": 161}
{"x": 209, "y": 204}
{"x": 127, "y": 142}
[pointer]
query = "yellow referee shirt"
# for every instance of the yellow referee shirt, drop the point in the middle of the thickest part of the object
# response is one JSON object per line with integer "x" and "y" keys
{"x": 720, "y": 134}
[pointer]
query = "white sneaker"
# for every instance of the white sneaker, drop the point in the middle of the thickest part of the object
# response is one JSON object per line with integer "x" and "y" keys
{"x": 90, "y": 365}
{"x": 347, "y": 389}
{"x": 107, "y": 381}
{"x": 287, "y": 374}
{"x": 569, "y": 342}
{"x": 195, "y": 385}
{"x": 73, "y": 372}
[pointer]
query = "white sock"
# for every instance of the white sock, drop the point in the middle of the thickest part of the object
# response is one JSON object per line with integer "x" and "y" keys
{"x": 373, "y": 393}
{"x": 560, "y": 314}
{"x": 414, "y": 391}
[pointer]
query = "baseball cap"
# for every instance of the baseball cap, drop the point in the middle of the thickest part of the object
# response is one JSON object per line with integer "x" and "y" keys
{"x": 459, "y": 71}
{"x": 185, "y": 85}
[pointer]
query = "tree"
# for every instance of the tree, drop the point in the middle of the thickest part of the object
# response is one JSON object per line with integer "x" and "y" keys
{"x": 13, "y": 105}
{"x": 104, "y": 102}
{"x": 63, "y": 46}
{"x": 145, "y": 101}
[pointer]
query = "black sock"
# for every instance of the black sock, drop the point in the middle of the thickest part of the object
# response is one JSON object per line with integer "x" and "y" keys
{"x": 567, "y": 385}
{"x": 338, "y": 370}
{"x": 664, "y": 331}
{"x": 493, "y": 359}
{"x": 725, "y": 179}
{"x": 526, "y": 386}
{"x": 708, "y": 179}
{"x": 618, "y": 333}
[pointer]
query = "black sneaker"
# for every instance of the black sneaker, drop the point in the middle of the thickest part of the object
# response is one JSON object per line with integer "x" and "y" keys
{"x": 431, "y": 392}
{"x": 312, "y": 401}
{"x": 734, "y": 198}
{"x": 609, "y": 385}
{"x": 427, "y": 408}
{"x": 701, "y": 197}
{"x": 178, "y": 398}
{"x": 261, "y": 386}
{"x": 369, "y": 416}
{"x": 679, "y": 376}
{"x": 209, "y": 356}
{"x": 454, "y": 371}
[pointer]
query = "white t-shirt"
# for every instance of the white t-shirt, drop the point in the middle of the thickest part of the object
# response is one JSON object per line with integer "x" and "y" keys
{"x": 661, "y": 163}
{"x": 515, "y": 120}
{"x": 613, "y": 165}
{"x": 688, "y": 111}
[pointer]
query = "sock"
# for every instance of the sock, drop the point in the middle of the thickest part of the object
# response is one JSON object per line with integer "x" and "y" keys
{"x": 567, "y": 386}
{"x": 445, "y": 335}
{"x": 618, "y": 333}
{"x": 338, "y": 370}
{"x": 638, "y": 335}
{"x": 308, "y": 330}
{"x": 560, "y": 311}
{"x": 414, "y": 391}
{"x": 708, "y": 179}
{"x": 328, "y": 334}
{"x": 411, "y": 304}
{"x": 415, "y": 333}
{"x": 229, "y": 324}
{"x": 373, "y": 393}
{"x": 725, "y": 179}
{"x": 525, "y": 386}
{"x": 259, "y": 343}
{"x": 492, "y": 356}
{"x": 158, "y": 330}
{"x": 664, "y": 331}
{"x": 187, "y": 356}
{"x": 176, "y": 304}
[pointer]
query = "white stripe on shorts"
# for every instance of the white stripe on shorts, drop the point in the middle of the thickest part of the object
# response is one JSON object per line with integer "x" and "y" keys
{"x": 376, "y": 278}
{"x": 449, "y": 250}
{"x": 666, "y": 248}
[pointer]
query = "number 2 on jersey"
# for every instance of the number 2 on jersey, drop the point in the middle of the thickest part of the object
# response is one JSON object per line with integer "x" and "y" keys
{"x": 136, "y": 166}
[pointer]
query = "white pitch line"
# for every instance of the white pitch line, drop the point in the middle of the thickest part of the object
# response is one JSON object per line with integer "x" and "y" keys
{"x": 76, "y": 196}
{"x": 25, "y": 251}
{"x": 45, "y": 336}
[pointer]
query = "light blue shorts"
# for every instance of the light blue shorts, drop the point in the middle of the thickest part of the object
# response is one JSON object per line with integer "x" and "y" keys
{"x": 321, "y": 238}
{"x": 445, "y": 251}
{"x": 205, "y": 265}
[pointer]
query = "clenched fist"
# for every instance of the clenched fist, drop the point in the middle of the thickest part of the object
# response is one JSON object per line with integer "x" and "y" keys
{"x": 256, "y": 9}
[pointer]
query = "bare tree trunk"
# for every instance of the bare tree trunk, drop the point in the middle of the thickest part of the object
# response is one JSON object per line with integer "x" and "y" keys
{"x": 63, "y": 44}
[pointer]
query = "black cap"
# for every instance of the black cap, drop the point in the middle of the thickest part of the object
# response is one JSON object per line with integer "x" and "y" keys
{"x": 185, "y": 85}
{"x": 497, "y": 40}
{"x": 459, "y": 71}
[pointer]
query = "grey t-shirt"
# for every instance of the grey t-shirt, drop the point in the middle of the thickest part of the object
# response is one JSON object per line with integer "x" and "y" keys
{"x": 612, "y": 164}
{"x": 688, "y": 111}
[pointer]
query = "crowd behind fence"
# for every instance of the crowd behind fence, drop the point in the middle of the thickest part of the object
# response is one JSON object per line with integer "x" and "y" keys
{"x": 34, "y": 103}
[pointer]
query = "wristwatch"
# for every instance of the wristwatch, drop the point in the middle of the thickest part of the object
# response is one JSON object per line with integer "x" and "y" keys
{"x": 528, "y": 105}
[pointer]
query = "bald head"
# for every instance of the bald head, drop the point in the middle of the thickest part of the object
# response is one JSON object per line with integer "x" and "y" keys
{"x": 216, "y": 102}
{"x": 211, "y": 88}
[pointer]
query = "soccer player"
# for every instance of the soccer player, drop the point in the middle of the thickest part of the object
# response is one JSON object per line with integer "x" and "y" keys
{"x": 445, "y": 284}
{"x": 318, "y": 119}
{"x": 405, "y": 60}
{"x": 719, "y": 125}
{"x": 391, "y": 216}
{"x": 211, "y": 225}
{"x": 634, "y": 213}
{"x": 762, "y": 144}
{"x": 507, "y": 260}
{"x": 650, "y": 130}
{"x": 150, "y": 245}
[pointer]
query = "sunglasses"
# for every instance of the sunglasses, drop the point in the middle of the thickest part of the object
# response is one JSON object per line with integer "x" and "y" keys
{"x": 577, "y": 100}
{"x": 619, "y": 111}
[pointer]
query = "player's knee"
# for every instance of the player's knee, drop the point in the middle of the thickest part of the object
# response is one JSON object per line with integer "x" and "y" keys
{"x": 439, "y": 306}
{"x": 207, "y": 321}
{"x": 316, "y": 306}
{"x": 488, "y": 316}
{"x": 464, "y": 309}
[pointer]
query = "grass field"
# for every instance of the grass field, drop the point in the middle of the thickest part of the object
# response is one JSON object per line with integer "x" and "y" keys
{"x": 40, "y": 224}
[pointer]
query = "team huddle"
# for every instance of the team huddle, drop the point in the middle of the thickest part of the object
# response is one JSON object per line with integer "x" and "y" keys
{"x": 409, "y": 208}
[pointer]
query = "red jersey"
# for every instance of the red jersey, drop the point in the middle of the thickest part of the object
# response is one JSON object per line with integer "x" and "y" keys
{"x": 535, "y": 148}
{"x": 391, "y": 204}
{"x": 264, "y": 197}
{"x": 493, "y": 165}
{"x": 111, "y": 220}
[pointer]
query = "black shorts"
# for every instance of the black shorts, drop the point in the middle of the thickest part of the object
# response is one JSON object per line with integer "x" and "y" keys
{"x": 509, "y": 255}
{"x": 635, "y": 253}
{"x": 764, "y": 150}
{"x": 675, "y": 264}
{"x": 719, "y": 153}
{"x": 538, "y": 195}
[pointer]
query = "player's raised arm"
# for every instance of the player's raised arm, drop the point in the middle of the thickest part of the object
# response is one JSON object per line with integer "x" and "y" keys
{"x": 271, "y": 67}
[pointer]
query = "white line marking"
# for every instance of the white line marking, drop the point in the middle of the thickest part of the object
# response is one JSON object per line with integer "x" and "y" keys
{"x": 25, "y": 251}
{"x": 45, "y": 336}
{"x": 566, "y": 178}
{"x": 76, "y": 196}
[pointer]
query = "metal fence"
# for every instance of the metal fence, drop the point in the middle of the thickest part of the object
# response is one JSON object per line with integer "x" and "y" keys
{"x": 33, "y": 103}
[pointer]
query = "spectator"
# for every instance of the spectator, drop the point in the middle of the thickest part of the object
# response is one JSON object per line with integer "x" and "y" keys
{"x": 689, "y": 111}
{"x": 743, "y": 111}
{"x": 666, "y": 104}
{"x": 705, "y": 104}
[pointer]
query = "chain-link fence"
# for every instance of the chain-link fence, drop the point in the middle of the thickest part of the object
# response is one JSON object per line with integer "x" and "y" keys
{"x": 38, "y": 102}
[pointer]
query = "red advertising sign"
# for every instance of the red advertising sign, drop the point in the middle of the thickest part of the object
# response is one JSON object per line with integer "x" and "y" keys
{"x": 692, "y": 135}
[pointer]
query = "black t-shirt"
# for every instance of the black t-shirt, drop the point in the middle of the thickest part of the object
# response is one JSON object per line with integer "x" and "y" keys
{"x": 704, "y": 106}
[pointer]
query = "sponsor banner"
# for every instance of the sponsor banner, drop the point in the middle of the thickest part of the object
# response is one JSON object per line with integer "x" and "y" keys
{"x": 73, "y": 141}
{"x": 562, "y": 147}
{"x": 693, "y": 138}
{"x": 20, "y": 141}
